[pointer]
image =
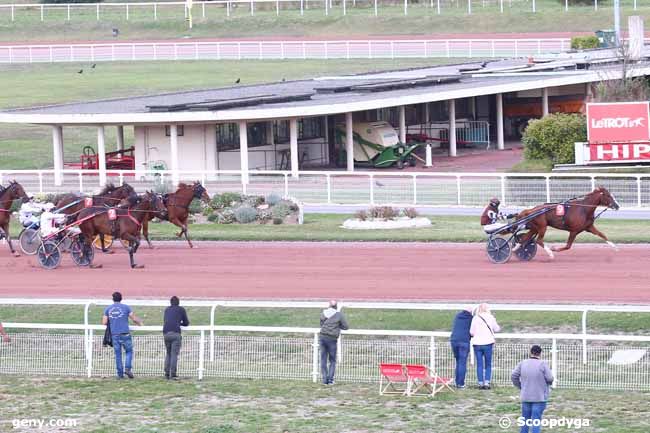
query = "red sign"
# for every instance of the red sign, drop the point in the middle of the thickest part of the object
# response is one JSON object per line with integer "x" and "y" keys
{"x": 559, "y": 210}
{"x": 112, "y": 215}
{"x": 619, "y": 152}
{"x": 618, "y": 122}
{"x": 88, "y": 202}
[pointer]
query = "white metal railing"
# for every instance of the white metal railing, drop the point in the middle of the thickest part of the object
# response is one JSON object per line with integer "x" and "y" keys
{"x": 274, "y": 50}
{"x": 406, "y": 306}
{"x": 155, "y": 11}
{"x": 292, "y": 353}
{"x": 364, "y": 187}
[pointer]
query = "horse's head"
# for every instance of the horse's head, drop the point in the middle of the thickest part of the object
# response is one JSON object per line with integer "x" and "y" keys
{"x": 130, "y": 201}
{"x": 606, "y": 198}
{"x": 16, "y": 191}
{"x": 125, "y": 190}
{"x": 200, "y": 192}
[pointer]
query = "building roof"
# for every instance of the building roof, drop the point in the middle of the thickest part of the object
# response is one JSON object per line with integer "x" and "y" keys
{"x": 328, "y": 95}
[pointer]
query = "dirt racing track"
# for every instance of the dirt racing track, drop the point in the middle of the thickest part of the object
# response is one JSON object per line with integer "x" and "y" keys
{"x": 368, "y": 271}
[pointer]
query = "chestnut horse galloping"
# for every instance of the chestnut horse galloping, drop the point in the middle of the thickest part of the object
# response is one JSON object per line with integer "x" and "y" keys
{"x": 7, "y": 196}
{"x": 126, "y": 225}
{"x": 178, "y": 204}
{"x": 578, "y": 217}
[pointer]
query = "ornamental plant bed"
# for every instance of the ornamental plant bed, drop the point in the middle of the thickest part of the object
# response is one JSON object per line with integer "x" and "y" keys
{"x": 386, "y": 217}
{"x": 234, "y": 208}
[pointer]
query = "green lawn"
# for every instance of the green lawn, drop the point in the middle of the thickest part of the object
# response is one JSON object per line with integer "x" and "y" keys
{"x": 29, "y": 147}
{"x": 359, "y": 21}
{"x": 266, "y": 406}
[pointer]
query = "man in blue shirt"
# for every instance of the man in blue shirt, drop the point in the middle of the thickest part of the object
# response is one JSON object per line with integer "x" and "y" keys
{"x": 118, "y": 315}
{"x": 459, "y": 340}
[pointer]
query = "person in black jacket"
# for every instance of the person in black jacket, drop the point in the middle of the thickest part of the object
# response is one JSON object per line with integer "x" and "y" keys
{"x": 175, "y": 317}
{"x": 459, "y": 340}
{"x": 331, "y": 323}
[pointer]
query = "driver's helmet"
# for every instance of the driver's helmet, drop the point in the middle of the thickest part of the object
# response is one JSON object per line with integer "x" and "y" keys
{"x": 494, "y": 203}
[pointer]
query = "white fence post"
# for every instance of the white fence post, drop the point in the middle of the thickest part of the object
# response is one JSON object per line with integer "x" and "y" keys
{"x": 638, "y": 191}
{"x": 97, "y": 11}
{"x": 503, "y": 189}
{"x": 584, "y": 333}
{"x": 212, "y": 310}
{"x": 376, "y": 11}
{"x": 13, "y": 17}
{"x": 548, "y": 189}
{"x": 314, "y": 359}
{"x": 372, "y": 189}
{"x": 554, "y": 366}
{"x": 40, "y": 182}
{"x": 458, "y": 190}
{"x": 155, "y": 11}
{"x": 286, "y": 185}
{"x": 90, "y": 352}
{"x": 415, "y": 189}
{"x": 201, "y": 355}
{"x": 329, "y": 188}
{"x": 42, "y": 12}
{"x": 68, "y": 12}
{"x": 432, "y": 354}
{"x": 81, "y": 182}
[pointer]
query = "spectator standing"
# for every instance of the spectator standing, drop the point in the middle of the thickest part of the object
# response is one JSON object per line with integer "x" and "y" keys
{"x": 5, "y": 336}
{"x": 533, "y": 377}
{"x": 175, "y": 316}
{"x": 482, "y": 330}
{"x": 117, "y": 317}
{"x": 459, "y": 341}
{"x": 331, "y": 323}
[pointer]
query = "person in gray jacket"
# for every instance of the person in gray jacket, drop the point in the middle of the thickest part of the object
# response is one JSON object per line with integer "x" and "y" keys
{"x": 331, "y": 323}
{"x": 534, "y": 378}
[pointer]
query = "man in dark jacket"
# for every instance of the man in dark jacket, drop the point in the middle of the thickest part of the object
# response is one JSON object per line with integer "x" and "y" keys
{"x": 175, "y": 317}
{"x": 331, "y": 324}
{"x": 460, "y": 343}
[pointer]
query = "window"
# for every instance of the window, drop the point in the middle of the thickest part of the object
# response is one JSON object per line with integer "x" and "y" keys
{"x": 310, "y": 128}
{"x": 180, "y": 131}
{"x": 281, "y": 131}
{"x": 390, "y": 115}
{"x": 228, "y": 135}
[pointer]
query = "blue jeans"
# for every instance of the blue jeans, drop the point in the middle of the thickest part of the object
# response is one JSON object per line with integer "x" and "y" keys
{"x": 461, "y": 351}
{"x": 327, "y": 350}
{"x": 532, "y": 411}
{"x": 119, "y": 342}
{"x": 483, "y": 355}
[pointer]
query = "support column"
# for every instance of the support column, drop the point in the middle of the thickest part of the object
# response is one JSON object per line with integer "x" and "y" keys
{"x": 500, "y": 144}
{"x": 293, "y": 147}
{"x": 57, "y": 150}
{"x": 101, "y": 155}
{"x": 270, "y": 139}
{"x": 402, "y": 124}
{"x": 173, "y": 147}
{"x": 427, "y": 115}
{"x": 452, "y": 127}
{"x": 349, "y": 141}
{"x": 120, "y": 137}
{"x": 545, "y": 101}
{"x": 326, "y": 136}
{"x": 243, "y": 151}
{"x": 472, "y": 104}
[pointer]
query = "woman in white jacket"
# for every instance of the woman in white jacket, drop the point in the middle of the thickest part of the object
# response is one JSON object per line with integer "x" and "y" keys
{"x": 482, "y": 330}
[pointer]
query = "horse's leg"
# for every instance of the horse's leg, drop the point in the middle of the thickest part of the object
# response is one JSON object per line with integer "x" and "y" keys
{"x": 541, "y": 232}
{"x": 187, "y": 236}
{"x": 134, "y": 243}
{"x": 5, "y": 229}
{"x": 569, "y": 242}
{"x": 145, "y": 231}
{"x": 594, "y": 230}
{"x": 103, "y": 243}
{"x": 88, "y": 241}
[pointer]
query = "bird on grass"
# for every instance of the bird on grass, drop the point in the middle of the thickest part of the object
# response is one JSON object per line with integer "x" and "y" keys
{"x": 238, "y": 81}
{"x": 379, "y": 183}
{"x": 93, "y": 66}
{"x": 80, "y": 71}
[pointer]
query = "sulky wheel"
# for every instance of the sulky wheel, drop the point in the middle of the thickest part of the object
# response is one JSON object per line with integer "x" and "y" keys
{"x": 29, "y": 240}
{"x": 498, "y": 250}
{"x": 108, "y": 242}
{"x": 49, "y": 255}
{"x": 81, "y": 253}
{"x": 527, "y": 252}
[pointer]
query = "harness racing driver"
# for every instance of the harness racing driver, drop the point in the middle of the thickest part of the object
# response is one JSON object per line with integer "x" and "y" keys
{"x": 493, "y": 219}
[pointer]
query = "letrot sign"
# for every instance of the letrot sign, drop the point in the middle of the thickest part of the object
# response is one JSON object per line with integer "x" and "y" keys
{"x": 617, "y": 133}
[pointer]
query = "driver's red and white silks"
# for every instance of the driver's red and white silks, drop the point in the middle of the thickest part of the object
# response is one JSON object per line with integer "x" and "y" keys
{"x": 559, "y": 210}
{"x": 112, "y": 214}
{"x": 88, "y": 202}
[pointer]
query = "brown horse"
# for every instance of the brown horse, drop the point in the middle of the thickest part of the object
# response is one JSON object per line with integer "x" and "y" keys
{"x": 578, "y": 217}
{"x": 126, "y": 226}
{"x": 111, "y": 195}
{"x": 177, "y": 208}
{"x": 7, "y": 196}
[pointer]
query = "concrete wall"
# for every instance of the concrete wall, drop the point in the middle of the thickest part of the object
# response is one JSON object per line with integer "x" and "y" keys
{"x": 266, "y": 158}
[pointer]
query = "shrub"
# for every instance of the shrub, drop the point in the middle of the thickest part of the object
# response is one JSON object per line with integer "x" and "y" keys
{"x": 252, "y": 200}
{"x": 227, "y": 216}
{"x": 553, "y": 137}
{"x": 361, "y": 215}
{"x": 273, "y": 199}
{"x": 410, "y": 212}
{"x": 584, "y": 42}
{"x": 265, "y": 215}
{"x": 280, "y": 210}
{"x": 277, "y": 221}
{"x": 221, "y": 201}
{"x": 213, "y": 217}
{"x": 195, "y": 206}
{"x": 245, "y": 214}
{"x": 384, "y": 212}
{"x": 207, "y": 211}
{"x": 15, "y": 206}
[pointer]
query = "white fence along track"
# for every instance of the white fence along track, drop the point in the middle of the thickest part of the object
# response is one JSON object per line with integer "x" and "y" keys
{"x": 366, "y": 187}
